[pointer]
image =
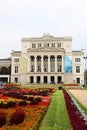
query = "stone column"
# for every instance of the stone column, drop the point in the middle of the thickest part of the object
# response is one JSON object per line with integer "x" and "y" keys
{"x": 55, "y": 79}
{"x": 48, "y": 79}
{"x": 62, "y": 64}
{"x": 35, "y": 79}
{"x": 42, "y": 64}
{"x": 29, "y": 65}
{"x": 41, "y": 79}
{"x": 35, "y": 64}
{"x": 8, "y": 79}
{"x": 55, "y": 63}
{"x": 49, "y": 64}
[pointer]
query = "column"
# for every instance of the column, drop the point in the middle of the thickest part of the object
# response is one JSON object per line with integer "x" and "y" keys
{"x": 35, "y": 64}
{"x": 41, "y": 79}
{"x": 56, "y": 64}
{"x": 49, "y": 64}
{"x": 35, "y": 79}
{"x": 29, "y": 65}
{"x": 8, "y": 78}
{"x": 48, "y": 79}
{"x": 55, "y": 79}
{"x": 62, "y": 64}
{"x": 42, "y": 64}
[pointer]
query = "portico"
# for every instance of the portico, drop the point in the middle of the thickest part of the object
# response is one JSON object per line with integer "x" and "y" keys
{"x": 45, "y": 63}
{"x": 45, "y": 67}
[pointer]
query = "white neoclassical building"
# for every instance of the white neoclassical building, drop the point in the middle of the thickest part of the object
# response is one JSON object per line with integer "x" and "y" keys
{"x": 47, "y": 59}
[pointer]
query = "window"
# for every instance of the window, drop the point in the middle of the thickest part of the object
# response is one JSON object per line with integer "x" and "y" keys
{"x": 16, "y": 60}
{"x": 47, "y": 44}
{"x": 16, "y": 80}
{"x": 78, "y": 80}
{"x": 39, "y": 44}
{"x": 52, "y": 59}
{"x": 58, "y": 45}
{"x": 33, "y": 45}
{"x": 32, "y": 68}
{"x": 59, "y": 68}
{"x": 16, "y": 69}
{"x": 77, "y": 59}
{"x": 53, "y": 45}
{"x": 45, "y": 59}
{"x": 32, "y": 58}
{"x": 59, "y": 58}
{"x": 38, "y": 59}
{"x": 77, "y": 69}
{"x": 39, "y": 69}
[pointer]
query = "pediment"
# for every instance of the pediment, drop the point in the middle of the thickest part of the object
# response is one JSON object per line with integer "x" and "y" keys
{"x": 46, "y": 49}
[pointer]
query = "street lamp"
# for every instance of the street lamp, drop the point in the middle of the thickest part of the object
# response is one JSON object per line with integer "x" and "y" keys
{"x": 85, "y": 60}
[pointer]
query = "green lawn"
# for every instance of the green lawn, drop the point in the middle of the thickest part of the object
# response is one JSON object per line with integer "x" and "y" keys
{"x": 85, "y": 88}
{"x": 56, "y": 117}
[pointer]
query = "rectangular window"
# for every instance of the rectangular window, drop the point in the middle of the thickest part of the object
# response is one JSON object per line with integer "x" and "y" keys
{"x": 78, "y": 80}
{"x": 59, "y": 45}
{"x": 59, "y": 68}
{"x": 53, "y": 45}
{"x": 33, "y": 45}
{"x": 77, "y": 69}
{"x": 32, "y": 68}
{"x": 16, "y": 69}
{"x": 16, "y": 60}
{"x": 39, "y": 44}
{"x": 16, "y": 80}
{"x": 77, "y": 59}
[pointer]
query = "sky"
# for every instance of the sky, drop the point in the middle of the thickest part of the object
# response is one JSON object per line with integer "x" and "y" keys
{"x": 33, "y": 18}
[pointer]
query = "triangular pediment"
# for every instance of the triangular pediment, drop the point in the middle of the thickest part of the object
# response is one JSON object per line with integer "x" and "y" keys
{"x": 46, "y": 49}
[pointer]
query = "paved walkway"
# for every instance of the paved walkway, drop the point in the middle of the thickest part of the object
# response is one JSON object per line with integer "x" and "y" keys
{"x": 81, "y": 95}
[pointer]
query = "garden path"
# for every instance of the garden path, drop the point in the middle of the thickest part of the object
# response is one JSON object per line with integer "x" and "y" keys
{"x": 80, "y": 95}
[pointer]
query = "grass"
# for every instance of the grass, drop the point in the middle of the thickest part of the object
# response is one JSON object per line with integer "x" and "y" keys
{"x": 57, "y": 115}
{"x": 85, "y": 88}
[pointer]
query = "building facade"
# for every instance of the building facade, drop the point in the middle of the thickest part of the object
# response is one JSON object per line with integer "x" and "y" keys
{"x": 5, "y": 70}
{"x": 47, "y": 59}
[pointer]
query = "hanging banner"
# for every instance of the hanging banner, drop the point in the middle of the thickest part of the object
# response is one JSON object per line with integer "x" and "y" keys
{"x": 68, "y": 64}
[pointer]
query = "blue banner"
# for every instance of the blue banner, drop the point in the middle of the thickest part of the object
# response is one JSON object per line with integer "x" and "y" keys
{"x": 68, "y": 64}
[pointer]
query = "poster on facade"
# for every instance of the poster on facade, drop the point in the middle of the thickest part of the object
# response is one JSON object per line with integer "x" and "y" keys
{"x": 68, "y": 64}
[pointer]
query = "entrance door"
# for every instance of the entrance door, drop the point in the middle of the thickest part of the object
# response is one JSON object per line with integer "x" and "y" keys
{"x": 45, "y": 79}
{"x": 52, "y": 79}
{"x": 38, "y": 79}
{"x": 78, "y": 80}
{"x": 31, "y": 79}
{"x": 59, "y": 79}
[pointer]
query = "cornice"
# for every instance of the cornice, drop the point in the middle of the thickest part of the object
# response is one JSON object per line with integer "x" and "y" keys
{"x": 49, "y": 38}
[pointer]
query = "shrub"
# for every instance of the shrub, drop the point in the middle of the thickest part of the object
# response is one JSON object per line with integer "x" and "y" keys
{"x": 60, "y": 87}
{"x": 17, "y": 117}
{"x": 2, "y": 118}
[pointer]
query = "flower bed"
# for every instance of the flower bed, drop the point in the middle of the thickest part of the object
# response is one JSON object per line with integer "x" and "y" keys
{"x": 70, "y": 84}
{"x": 33, "y": 115}
{"x": 78, "y": 122}
{"x": 29, "y": 104}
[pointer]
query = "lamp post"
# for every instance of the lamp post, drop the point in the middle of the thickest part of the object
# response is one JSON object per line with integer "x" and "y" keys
{"x": 85, "y": 62}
